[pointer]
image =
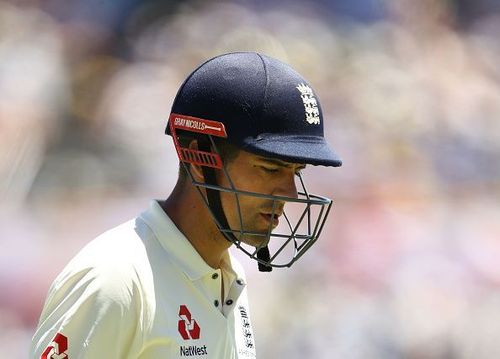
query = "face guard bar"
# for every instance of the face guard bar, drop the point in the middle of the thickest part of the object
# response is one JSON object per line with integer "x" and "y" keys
{"x": 290, "y": 241}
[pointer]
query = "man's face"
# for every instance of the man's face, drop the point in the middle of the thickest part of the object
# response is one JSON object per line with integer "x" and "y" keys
{"x": 262, "y": 175}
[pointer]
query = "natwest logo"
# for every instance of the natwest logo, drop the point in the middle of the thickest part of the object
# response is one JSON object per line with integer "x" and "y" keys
{"x": 57, "y": 348}
{"x": 188, "y": 327}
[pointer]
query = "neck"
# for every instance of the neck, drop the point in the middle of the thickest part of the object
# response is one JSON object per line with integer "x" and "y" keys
{"x": 184, "y": 205}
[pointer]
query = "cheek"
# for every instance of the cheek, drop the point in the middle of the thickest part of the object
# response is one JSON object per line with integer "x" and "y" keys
{"x": 246, "y": 203}
{"x": 251, "y": 181}
{"x": 249, "y": 208}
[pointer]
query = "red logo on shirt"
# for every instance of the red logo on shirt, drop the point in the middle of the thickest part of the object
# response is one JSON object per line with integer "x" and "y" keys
{"x": 188, "y": 327}
{"x": 57, "y": 348}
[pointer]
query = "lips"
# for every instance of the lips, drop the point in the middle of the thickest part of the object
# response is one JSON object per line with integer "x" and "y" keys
{"x": 271, "y": 219}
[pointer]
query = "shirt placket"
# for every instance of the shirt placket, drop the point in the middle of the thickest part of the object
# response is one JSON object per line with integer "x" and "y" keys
{"x": 210, "y": 286}
{"x": 237, "y": 287}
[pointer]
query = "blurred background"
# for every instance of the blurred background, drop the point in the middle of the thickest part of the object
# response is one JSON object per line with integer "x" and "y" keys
{"x": 409, "y": 263}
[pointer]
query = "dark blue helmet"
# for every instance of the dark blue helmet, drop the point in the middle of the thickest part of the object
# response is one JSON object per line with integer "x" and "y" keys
{"x": 267, "y": 108}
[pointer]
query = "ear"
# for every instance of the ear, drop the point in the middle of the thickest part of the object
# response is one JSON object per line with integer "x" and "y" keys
{"x": 196, "y": 170}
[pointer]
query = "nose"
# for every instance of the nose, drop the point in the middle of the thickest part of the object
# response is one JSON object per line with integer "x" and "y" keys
{"x": 286, "y": 186}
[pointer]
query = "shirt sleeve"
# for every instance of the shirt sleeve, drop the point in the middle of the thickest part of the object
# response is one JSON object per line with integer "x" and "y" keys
{"x": 90, "y": 313}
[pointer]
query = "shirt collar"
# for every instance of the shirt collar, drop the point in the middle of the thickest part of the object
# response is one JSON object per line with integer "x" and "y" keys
{"x": 178, "y": 246}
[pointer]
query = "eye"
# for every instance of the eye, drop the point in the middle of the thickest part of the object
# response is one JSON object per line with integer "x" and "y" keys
{"x": 269, "y": 169}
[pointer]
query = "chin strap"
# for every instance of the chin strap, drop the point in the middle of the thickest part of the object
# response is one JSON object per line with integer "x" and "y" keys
{"x": 214, "y": 202}
{"x": 263, "y": 254}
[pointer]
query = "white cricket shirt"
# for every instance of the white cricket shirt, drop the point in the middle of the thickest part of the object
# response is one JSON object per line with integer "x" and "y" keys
{"x": 141, "y": 290}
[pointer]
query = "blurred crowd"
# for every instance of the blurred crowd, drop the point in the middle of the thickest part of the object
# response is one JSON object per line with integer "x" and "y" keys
{"x": 408, "y": 264}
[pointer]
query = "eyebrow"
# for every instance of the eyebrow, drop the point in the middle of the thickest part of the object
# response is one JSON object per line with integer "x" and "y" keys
{"x": 281, "y": 163}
